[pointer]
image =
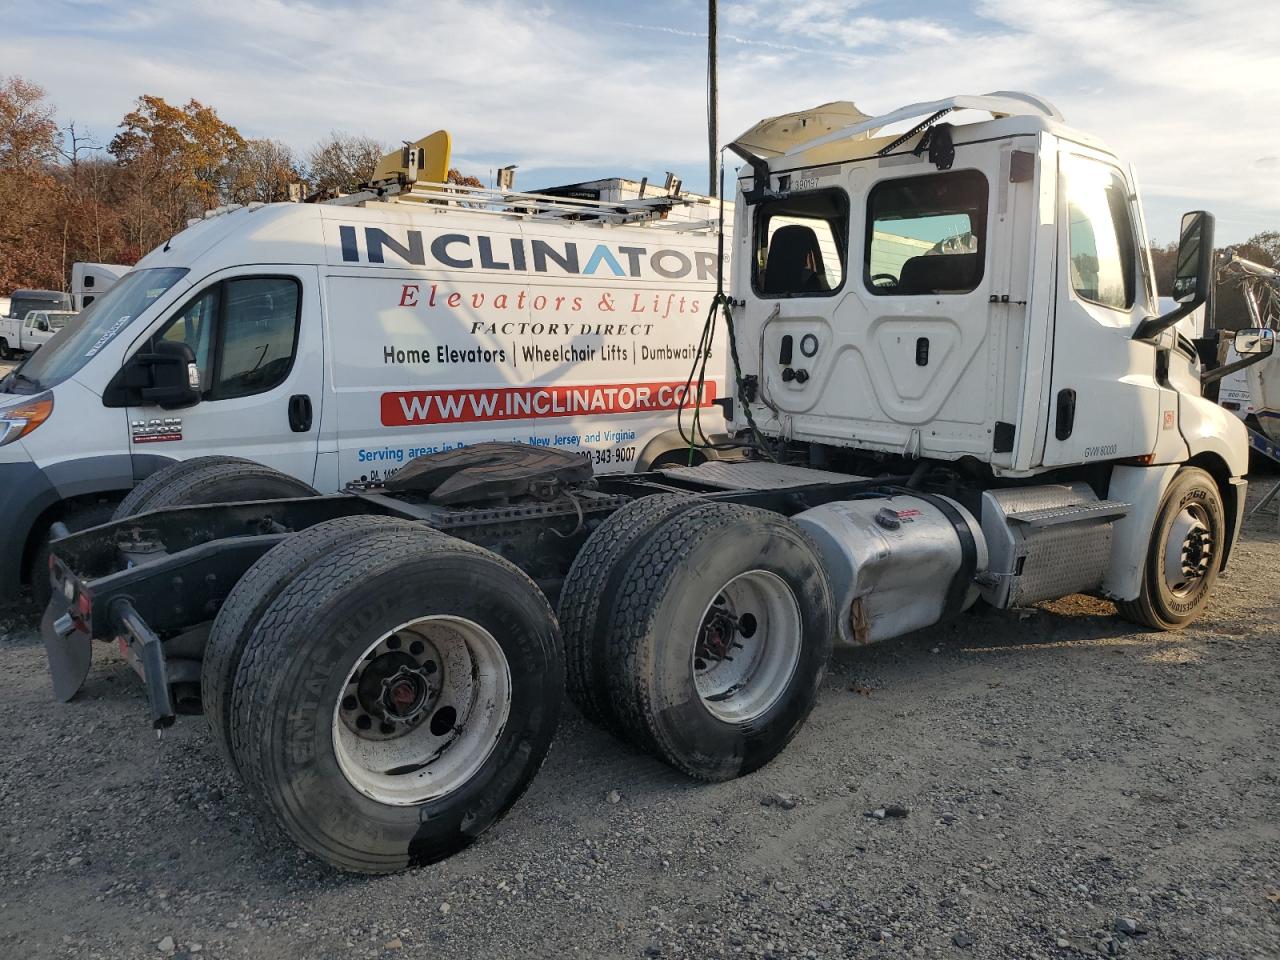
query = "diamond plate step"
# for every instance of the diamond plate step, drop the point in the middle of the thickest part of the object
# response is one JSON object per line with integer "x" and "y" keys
{"x": 1077, "y": 513}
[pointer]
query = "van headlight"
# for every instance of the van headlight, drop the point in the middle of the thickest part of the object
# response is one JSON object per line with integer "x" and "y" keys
{"x": 19, "y": 420}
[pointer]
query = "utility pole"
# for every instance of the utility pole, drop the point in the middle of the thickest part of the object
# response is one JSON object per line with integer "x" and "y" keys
{"x": 712, "y": 98}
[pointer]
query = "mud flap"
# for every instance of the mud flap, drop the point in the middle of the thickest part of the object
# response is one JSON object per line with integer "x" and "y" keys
{"x": 69, "y": 655}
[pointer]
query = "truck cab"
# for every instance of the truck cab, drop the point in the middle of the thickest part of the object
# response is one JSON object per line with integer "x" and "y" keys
{"x": 976, "y": 293}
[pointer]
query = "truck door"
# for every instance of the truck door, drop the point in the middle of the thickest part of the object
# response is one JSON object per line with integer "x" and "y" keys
{"x": 1104, "y": 400}
{"x": 256, "y": 335}
{"x": 920, "y": 348}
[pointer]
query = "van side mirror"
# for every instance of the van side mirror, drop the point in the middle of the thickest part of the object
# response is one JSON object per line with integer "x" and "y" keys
{"x": 167, "y": 376}
{"x": 1192, "y": 277}
{"x": 1258, "y": 340}
{"x": 1194, "y": 272}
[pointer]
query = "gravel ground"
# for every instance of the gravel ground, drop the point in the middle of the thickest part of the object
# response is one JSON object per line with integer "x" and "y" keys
{"x": 1050, "y": 784}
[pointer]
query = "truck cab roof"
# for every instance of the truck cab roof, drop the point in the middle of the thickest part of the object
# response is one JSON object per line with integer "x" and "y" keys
{"x": 839, "y": 132}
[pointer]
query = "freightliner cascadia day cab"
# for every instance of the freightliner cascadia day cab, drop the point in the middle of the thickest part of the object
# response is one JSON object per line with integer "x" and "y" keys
{"x": 947, "y": 380}
{"x": 91, "y": 280}
{"x": 336, "y": 342}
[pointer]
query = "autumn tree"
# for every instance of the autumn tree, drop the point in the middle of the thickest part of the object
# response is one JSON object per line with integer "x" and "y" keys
{"x": 29, "y": 191}
{"x": 28, "y": 132}
{"x": 261, "y": 171}
{"x": 341, "y": 162}
{"x": 462, "y": 179}
{"x": 176, "y": 159}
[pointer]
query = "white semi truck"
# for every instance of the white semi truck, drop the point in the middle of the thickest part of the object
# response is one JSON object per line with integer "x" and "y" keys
{"x": 987, "y": 408}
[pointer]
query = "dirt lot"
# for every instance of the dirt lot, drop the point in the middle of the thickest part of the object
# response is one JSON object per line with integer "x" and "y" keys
{"x": 1063, "y": 777}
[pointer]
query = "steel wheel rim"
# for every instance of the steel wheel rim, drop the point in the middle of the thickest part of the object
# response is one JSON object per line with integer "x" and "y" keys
{"x": 446, "y": 721}
{"x": 1188, "y": 550}
{"x": 748, "y": 646}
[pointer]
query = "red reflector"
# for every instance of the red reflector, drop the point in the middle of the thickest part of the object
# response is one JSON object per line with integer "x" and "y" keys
{"x": 84, "y": 603}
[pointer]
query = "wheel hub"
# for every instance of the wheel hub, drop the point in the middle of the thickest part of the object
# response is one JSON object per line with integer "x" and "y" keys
{"x": 393, "y": 691}
{"x": 747, "y": 646}
{"x": 1188, "y": 551}
{"x": 406, "y": 694}
{"x": 421, "y": 710}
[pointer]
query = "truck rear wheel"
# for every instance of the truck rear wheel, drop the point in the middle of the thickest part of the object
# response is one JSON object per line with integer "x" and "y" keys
{"x": 254, "y": 593}
{"x": 721, "y": 639}
{"x": 209, "y": 480}
{"x": 587, "y": 600}
{"x": 396, "y": 698}
{"x": 1184, "y": 555}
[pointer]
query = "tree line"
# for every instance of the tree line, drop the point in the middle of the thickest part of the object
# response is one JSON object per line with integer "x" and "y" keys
{"x": 65, "y": 196}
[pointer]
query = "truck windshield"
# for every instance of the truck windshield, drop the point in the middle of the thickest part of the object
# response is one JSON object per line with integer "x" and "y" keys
{"x": 77, "y": 343}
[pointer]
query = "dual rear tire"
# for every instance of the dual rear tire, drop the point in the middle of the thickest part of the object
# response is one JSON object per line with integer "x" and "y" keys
{"x": 699, "y": 632}
{"x": 394, "y": 698}
{"x": 387, "y": 692}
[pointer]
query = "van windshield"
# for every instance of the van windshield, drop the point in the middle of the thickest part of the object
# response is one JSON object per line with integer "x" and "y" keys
{"x": 77, "y": 343}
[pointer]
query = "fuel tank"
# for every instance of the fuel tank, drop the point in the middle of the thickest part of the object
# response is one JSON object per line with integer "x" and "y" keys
{"x": 897, "y": 563}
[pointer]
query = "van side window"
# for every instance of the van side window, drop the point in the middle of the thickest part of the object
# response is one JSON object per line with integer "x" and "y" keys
{"x": 926, "y": 235}
{"x": 800, "y": 244}
{"x": 193, "y": 325}
{"x": 244, "y": 333}
{"x": 1102, "y": 255}
{"x": 259, "y": 335}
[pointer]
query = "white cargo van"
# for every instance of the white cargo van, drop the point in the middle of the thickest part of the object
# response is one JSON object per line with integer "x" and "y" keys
{"x": 337, "y": 342}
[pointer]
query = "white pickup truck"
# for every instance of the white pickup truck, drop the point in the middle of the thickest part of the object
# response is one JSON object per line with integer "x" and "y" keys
{"x": 30, "y": 333}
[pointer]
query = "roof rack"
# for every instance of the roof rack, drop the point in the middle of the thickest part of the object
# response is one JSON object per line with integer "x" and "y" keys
{"x": 651, "y": 211}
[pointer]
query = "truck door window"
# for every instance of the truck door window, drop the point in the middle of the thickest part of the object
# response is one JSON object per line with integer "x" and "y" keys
{"x": 926, "y": 235}
{"x": 1102, "y": 258}
{"x": 259, "y": 335}
{"x": 800, "y": 245}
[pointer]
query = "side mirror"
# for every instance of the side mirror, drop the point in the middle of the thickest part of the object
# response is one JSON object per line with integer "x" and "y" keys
{"x": 1192, "y": 277}
{"x": 1258, "y": 340}
{"x": 1252, "y": 345}
{"x": 1194, "y": 273}
{"x": 42, "y": 326}
{"x": 166, "y": 376}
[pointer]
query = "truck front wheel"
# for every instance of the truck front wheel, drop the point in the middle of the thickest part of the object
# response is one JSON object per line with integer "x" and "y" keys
{"x": 396, "y": 698}
{"x": 1184, "y": 554}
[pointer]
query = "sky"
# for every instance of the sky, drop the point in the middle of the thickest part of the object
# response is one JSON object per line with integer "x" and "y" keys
{"x": 1186, "y": 90}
